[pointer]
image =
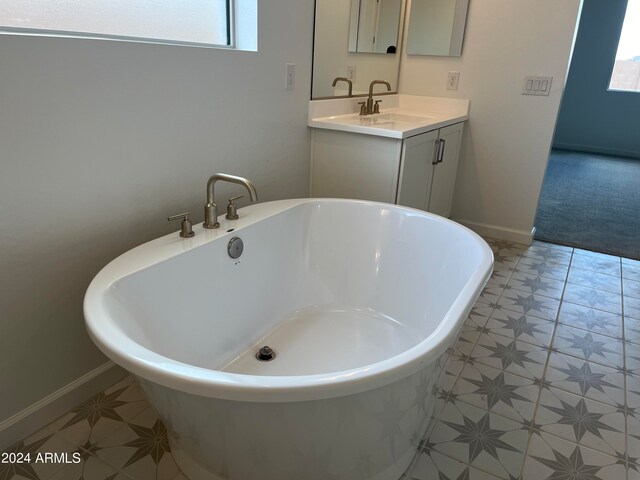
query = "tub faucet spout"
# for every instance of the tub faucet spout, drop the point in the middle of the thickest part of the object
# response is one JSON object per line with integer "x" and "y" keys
{"x": 211, "y": 209}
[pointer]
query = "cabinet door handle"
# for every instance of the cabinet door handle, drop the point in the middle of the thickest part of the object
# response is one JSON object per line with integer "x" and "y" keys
{"x": 436, "y": 152}
{"x": 443, "y": 144}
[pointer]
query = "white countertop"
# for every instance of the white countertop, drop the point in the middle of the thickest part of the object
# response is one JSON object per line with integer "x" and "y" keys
{"x": 404, "y": 115}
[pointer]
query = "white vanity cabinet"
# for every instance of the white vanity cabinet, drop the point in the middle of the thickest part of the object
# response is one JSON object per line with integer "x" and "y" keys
{"x": 418, "y": 171}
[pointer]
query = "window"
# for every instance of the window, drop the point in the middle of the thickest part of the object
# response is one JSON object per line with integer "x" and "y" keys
{"x": 626, "y": 71}
{"x": 193, "y": 22}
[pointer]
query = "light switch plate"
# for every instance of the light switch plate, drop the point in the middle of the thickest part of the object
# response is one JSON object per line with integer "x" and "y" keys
{"x": 290, "y": 76}
{"x": 540, "y": 86}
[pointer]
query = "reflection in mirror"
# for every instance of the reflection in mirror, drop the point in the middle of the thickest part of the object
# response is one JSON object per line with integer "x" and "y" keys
{"x": 332, "y": 58}
{"x": 436, "y": 27}
{"x": 374, "y": 25}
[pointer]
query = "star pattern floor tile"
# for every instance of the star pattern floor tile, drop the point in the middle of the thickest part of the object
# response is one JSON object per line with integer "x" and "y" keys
{"x": 530, "y": 304}
{"x": 550, "y": 457}
{"x": 632, "y": 307}
{"x": 608, "y": 266}
{"x": 555, "y": 271}
{"x": 497, "y": 391}
{"x": 632, "y": 357}
{"x": 589, "y": 346}
{"x": 528, "y": 283}
{"x": 433, "y": 465}
{"x": 633, "y": 393}
{"x": 582, "y": 421}
{"x": 593, "y": 298}
{"x": 631, "y": 271}
{"x": 591, "y": 320}
{"x": 600, "y": 281}
{"x": 480, "y": 439}
{"x": 631, "y": 288}
{"x": 591, "y": 380}
{"x": 513, "y": 356}
{"x": 549, "y": 255}
{"x": 517, "y": 326}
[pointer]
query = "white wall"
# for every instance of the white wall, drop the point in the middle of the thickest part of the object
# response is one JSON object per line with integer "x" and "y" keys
{"x": 100, "y": 141}
{"x": 506, "y": 145}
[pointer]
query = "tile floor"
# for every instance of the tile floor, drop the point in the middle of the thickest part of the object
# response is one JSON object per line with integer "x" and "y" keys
{"x": 544, "y": 383}
{"x": 117, "y": 434}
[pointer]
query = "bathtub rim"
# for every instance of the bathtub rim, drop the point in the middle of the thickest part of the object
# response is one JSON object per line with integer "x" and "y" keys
{"x": 146, "y": 363}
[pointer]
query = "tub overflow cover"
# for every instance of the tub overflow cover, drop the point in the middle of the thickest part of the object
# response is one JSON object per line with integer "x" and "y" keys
{"x": 235, "y": 247}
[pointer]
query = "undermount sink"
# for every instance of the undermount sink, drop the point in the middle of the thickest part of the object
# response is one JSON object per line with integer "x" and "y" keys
{"x": 400, "y": 117}
{"x": 380, "y": 119}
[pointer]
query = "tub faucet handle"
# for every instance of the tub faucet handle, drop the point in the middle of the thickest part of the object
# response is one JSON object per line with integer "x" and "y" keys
{"x": 232, "y": 210}
{"x": 186, "y": 227}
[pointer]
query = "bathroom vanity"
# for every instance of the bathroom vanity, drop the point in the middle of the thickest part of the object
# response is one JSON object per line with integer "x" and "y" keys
{"x": 407, "y": 154}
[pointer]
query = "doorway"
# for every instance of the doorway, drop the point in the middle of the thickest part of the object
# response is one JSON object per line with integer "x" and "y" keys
{"x": 590, "y": 196}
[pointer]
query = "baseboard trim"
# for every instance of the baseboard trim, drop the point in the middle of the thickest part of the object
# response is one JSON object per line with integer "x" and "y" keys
{"x": 499, "y": 233}
{"x": 45, "y": 411}
{"x": 595, "y": 149}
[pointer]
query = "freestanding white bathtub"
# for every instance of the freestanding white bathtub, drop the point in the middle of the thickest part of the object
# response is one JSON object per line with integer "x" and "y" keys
{"x": 360, "y": 302}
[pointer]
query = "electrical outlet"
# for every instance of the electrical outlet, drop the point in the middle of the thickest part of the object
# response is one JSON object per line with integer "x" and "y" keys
{"x": 290, "y": 77}
{"x": 452, "y": 80}
{"x": 351, "y": 73}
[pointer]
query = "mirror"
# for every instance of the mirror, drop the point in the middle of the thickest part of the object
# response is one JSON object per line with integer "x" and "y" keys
{"x": 374, "y": 26}
{"x": 344, "y": 45}
{"x": 352, "y": 38}
{"x": 436, "y": 27}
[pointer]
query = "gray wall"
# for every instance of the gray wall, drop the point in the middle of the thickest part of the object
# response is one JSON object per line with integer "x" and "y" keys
{"x": 100, "y": 141}
{"x": 591, "y": 117}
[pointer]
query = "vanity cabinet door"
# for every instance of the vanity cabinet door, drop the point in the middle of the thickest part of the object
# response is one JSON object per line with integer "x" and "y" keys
{"x": 444, "y": 173}
{"x": 352, "y": 165}
{"x": 416, "y": 170}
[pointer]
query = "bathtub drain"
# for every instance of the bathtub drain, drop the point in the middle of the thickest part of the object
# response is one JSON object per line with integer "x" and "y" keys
{"x": 265, "y": 354}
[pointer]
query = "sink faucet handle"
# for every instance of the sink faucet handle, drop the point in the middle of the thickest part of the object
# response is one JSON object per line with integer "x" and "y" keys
{"x": 376, "y": 107}
{"x": 232, "y": 209}
{"x": 363, "y": 108}
{"x": 186, "y": 227}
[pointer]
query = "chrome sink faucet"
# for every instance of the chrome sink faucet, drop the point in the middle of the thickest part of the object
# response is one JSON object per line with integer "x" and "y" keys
{"x": 211, "y": 209}
{"x": 370, "y": 107}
